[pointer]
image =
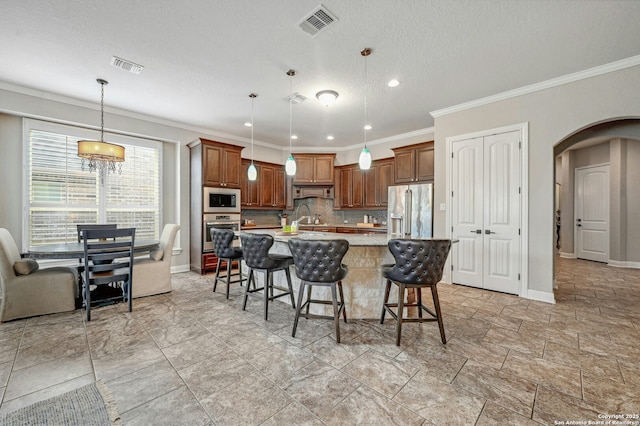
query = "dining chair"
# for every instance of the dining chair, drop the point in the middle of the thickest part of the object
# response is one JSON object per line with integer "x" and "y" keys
{"x": 26, "y": 290}
{"x": 108, "y": 259}
{"x": 153, "y": 272}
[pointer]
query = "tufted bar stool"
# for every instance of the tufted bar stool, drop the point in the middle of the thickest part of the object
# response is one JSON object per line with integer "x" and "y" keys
{"x": 257, "y": 257}
{"x": 223, "y": 250}
{"x": 419, "y": 264}
{"x": 320, "y": 263}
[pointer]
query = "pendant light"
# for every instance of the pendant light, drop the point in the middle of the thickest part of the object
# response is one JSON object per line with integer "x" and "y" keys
{"x": 290, "y": 165}
{"x": 365, "y": 155}
{"x": 252, "y": 172}
{"x": 102, "y": 155}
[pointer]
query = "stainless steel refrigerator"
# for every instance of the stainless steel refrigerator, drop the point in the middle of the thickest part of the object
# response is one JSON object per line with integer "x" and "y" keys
{"x": 410, "y": 211}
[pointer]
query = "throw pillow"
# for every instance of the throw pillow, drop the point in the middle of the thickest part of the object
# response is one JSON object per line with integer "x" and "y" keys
{"x": 25, "y": 266}
{"x": 156, "y": 255}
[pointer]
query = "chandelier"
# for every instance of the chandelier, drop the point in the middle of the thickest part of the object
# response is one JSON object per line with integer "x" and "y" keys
{"x": 365, "y": 156}
{"x": 102, "y": 156}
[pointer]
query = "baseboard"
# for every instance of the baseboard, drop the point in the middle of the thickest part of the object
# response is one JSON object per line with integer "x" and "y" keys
{"x": 180, "y": 268}
{"x": 568, "y": 255}
{"x": 623, "y": 264}
{"x": 541, "y": 296}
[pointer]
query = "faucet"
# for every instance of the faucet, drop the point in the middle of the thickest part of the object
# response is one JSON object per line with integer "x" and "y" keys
{"x": 303, "y": 217}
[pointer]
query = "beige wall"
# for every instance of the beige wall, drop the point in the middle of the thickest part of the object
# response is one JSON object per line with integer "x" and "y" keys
{"x": 552, "y": 114}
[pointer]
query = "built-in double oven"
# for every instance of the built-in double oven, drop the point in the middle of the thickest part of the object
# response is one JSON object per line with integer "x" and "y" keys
{"x": 221, "y": 210}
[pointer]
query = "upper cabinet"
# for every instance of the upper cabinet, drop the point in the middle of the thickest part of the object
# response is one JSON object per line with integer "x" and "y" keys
{"x": 414, "y": 163}
{"x": 268, "y": 191}
{"x": 377, "y": 180}
{"x": 220, "y": 164}
{"x": 351, "y": 188}
{"x": 359, "y": 189}
{"x": 314, "y": 169}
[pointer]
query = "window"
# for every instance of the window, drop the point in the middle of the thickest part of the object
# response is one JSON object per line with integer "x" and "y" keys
{"x": 61, "y": 195}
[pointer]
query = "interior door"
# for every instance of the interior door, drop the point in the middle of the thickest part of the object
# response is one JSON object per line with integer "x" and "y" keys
{"x": 501, "y": 245}
{"x": 592, "y": 213}
{"x": 485, "y": 204}
{"x": 467, "y": 208}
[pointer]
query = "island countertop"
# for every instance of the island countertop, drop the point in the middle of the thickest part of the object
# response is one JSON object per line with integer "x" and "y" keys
{"x": 355, "y": 240}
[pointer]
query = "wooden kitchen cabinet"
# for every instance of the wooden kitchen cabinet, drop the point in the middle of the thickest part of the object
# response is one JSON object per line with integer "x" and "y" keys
{"x": 376, "y": 181}
{"x": 314, "y": 169}
{"x": 268, "y": 191}
{"x": 351, "y": 189}
{"x": 221, "y": 164}
{"x": 414, "y": 163}
{"x": 249, "y": 190}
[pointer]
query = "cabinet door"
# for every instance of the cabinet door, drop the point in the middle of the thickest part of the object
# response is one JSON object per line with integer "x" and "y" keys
{"x": 266, "y": 187}
{"x": 357, "y": 188}
{"x": 212, "y": 165}
{"x": 371, "y": 177}
{"x": 323, "y": 169}
{"x": 346, "y": 178}
{"x": 248, "y": 189}
{"x": 279, "y": 188}
{"x": 424, "y": 164}
{"x": 385, "y": 179}
{"x": 231, "y": 168}
{"x": 404, "y": 166}
{"x": 304, "y": 170}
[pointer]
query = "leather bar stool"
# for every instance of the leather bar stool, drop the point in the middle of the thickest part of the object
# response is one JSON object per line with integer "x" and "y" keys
{"x": 319, "y": 263}
{"x": 419, "y": 264}
{"x": 222, "y": 239}
{"x": 257, "y": 257}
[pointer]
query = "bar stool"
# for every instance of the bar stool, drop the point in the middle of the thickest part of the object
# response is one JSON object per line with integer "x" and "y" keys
{"x": 222, "y": 239}
{"x": 257, "y": 257}
{"x": 419, "y": 264}
{"x": 320, "y": 263}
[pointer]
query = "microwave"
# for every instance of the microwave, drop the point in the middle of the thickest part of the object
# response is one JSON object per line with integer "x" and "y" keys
{"x": 220, "y": 200}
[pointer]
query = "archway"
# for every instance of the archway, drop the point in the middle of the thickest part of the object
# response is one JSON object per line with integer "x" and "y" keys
{"x": 615, "y": 142}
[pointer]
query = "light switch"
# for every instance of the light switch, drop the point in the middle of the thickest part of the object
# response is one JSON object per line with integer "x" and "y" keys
{"x": 443, "y": 207}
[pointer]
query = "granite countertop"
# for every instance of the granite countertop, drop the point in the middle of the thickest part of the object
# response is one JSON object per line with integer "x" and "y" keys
{"x": 370, "y": 240}
{"x": 323, "y": 225}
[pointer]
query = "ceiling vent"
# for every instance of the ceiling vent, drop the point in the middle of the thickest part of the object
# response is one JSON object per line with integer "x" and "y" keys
{"x": 126, "y": 65}
{"x": 319, "y": 19}
{"x": 296, "y": 98}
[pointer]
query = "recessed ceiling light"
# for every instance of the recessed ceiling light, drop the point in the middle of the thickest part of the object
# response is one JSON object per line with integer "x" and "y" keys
{"x": 294, "y": 137}
{"x": 330, "y": 138}
{"x": 247, "y": 124}
{"x": 393, "y": 83}
{"x": 368, "y": 127}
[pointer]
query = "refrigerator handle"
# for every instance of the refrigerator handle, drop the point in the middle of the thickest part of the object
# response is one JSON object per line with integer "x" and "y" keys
{"x": 408, "y": 219}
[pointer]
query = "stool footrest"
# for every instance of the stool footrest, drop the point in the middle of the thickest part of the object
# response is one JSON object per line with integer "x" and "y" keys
{"x": 388, "y": 306}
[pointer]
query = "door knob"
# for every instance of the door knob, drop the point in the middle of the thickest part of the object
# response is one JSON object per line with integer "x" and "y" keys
{"x": 477, "y": 231}
{"x": 487, "y": 231}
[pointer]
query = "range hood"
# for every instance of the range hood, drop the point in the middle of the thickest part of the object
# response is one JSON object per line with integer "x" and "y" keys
{"x": 301, "y": 191}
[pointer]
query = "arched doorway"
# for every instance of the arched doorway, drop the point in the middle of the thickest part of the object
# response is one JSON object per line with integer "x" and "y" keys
{"x": 615, "y": 143}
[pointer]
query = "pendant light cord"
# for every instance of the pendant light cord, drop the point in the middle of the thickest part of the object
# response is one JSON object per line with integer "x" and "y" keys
{"x": 291, "y": 74}
{"x": 102, "y": 112}
{"x": 365, "y": 100}
{"x": 252, "y": 98}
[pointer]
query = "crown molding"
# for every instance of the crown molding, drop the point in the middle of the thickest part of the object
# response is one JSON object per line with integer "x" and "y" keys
{"x": 558, "y": 81}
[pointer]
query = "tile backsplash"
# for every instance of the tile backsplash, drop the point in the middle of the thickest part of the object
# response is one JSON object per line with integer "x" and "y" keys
{"x": 321, "y": 206}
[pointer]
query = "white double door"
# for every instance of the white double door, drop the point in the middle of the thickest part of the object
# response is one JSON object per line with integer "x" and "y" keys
{"x": 485, "y": 209}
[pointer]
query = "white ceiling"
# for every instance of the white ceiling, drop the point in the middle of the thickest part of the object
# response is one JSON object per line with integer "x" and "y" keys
{"x": 202, "y": 58}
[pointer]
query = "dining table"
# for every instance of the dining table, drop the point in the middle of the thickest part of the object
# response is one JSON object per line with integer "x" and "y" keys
{"x": 75, "y": 250}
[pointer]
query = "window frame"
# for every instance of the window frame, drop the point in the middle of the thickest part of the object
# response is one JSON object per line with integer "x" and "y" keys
{"x": 77, "y": 131}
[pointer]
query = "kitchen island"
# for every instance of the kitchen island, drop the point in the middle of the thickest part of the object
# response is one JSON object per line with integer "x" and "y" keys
{"x": 364, "y": 285}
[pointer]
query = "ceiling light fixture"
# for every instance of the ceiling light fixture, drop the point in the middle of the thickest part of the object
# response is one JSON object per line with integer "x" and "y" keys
{"x": 290, "y": 165}
{"x": 327, "y": 97}
{"x": 252, "y": 172}
{"x": 365, "y": 156}
{"x": 102, "y": 155}
{"x": 329, "y": 138}
{"x": 393, "y": 83}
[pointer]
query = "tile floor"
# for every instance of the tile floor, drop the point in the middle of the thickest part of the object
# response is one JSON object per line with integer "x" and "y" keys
{"x": 192, "y": 357}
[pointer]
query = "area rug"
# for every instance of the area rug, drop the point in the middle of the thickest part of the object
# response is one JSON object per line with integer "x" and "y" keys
{"x": 89, "y": 405}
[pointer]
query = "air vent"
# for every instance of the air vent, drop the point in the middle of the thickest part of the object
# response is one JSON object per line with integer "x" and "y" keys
{"x": 317, "y": 20}
{"x": 126, "y": 65}
{"x": 296, "y": 98}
